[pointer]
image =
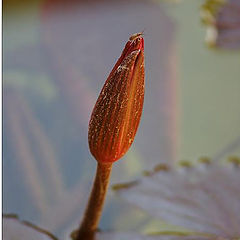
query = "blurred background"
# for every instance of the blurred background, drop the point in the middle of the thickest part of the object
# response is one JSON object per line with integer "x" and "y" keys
{"x": 56, "y": 56}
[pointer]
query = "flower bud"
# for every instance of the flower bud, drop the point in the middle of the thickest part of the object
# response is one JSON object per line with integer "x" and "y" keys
{"x": 116, "y": 115}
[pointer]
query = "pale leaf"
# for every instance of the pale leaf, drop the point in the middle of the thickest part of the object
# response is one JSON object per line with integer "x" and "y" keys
{"x": 201, "y": 199}
{"x": 14, "y": 229}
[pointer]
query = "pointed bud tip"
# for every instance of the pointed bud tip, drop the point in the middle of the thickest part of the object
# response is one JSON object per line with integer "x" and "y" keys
{"x": 136, "y": 41}
{"x": 135, "y": 36}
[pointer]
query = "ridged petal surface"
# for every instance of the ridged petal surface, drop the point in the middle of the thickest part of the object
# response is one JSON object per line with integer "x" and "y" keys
{"x": 118, "y": 110}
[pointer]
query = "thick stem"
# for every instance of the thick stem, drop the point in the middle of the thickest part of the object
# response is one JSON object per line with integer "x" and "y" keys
{"x": 96, "y": 201}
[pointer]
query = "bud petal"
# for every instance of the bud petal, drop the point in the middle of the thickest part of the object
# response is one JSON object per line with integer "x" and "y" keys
{"x": 116, "y": 115}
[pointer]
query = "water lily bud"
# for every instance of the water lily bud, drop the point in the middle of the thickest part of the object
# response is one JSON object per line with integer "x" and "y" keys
{"x": 116, "y": 115}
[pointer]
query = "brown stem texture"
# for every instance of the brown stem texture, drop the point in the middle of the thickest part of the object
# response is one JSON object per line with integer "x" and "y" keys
{"x": 95, "y": 203}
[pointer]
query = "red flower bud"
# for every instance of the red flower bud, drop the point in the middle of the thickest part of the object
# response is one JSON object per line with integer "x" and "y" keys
{"x": 116, "y": 115}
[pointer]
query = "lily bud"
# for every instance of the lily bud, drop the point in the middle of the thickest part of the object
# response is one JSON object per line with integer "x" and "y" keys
{"x": 116, "y": 115}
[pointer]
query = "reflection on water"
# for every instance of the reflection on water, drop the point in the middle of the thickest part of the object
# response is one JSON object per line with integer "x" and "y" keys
{"x": 56, "y": 59}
